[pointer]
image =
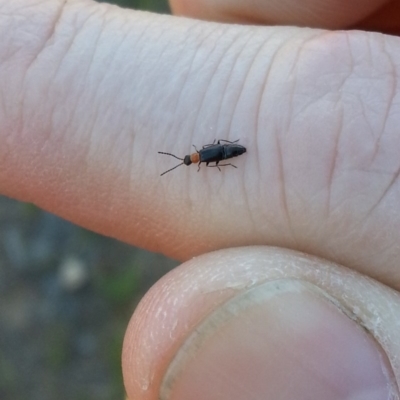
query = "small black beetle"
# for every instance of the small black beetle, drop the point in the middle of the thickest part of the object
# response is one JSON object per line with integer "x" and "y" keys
{"x": 214, "y": 152}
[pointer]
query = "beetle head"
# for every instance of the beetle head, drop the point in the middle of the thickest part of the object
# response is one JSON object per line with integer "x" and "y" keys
{"x": 187, "y": 160}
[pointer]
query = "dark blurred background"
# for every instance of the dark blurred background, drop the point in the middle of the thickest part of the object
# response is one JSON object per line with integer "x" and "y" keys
{"x": 66, "y": 296}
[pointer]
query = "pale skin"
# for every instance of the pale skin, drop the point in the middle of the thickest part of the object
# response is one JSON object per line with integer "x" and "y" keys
{"x": 90, "y": 93}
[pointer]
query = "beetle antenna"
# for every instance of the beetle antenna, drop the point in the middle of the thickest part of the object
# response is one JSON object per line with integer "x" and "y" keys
{"x": 176, "y": 166}
{"x": 169, "y": 154}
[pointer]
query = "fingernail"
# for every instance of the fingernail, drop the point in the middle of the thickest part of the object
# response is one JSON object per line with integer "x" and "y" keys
{"x": 283, "y": 340}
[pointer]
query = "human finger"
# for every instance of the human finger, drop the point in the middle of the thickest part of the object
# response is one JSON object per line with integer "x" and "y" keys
{"x": 262, "y": 322}
{"x": 92, "y": 93}
{"x": 328, "y": 14}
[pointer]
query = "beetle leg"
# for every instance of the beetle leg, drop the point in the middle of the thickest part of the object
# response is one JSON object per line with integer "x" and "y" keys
{"x": 208, "y": 145}
{"x": 195, "y": 148}
{"x": 222, "y": 165}
{"x": 225, "y": 165}
{"x": 199, "y": 166}
{"x": 227, "y": 141}
{"x": 214, "y": 166}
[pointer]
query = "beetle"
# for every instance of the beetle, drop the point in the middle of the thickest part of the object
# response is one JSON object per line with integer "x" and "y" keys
{"x": 214, "y": 152}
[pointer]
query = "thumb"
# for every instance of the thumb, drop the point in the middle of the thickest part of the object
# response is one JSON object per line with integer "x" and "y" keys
{"x": 263, "y": 323}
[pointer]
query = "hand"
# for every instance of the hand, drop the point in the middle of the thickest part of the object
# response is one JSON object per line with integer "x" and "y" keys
{"x": 90, "y": 93}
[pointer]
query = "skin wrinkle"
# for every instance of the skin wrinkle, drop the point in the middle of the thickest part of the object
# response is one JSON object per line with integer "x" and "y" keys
{"x": 194, "y": 54}
{"x": 161, "y": 33}
{"x": 395, "y": 85}
{"x": 295, "y": 63}
{"x": 210, "y": 78}
{"x": 246, "y": 198}
{"x": 392, "y": 183}
{"x": 122, "y": 134}
{"x": 244, "y": 181}
{"x": 131, "y": 137}
{"x": 240, "y": 92}
{"x": 370, "y": 129}
{"x": 49, "y": 40}
{"x": 268, "y": 72}
{"x": 362, "y": 104}
{"x": 51, "y": 33}
{"x": 141, "y": 40}
{"x": 334, "y": 162}
{"x": 93, "y": 120}
{"x": 390, "y": 102}
{"x": 108, "y": 66}
{"x": 350, "y": 70}
{"x": 229, "y": 76}
{"x": 95, "y": 108}
{"x": 263, "y": 90}
{"x": 95, "y": 47}
{"x": 283, "y": 189}
{"x": 90, "y": 126}
{"x": 341, "y": 118}
{"x": 71, "y": 43}
{"x": 258, "y": 113}
{"x": 234, "y": 63}
{"x": 288, "y": 129}
{"x": 152, "y": 139}
{"x": 377, "y": 140}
